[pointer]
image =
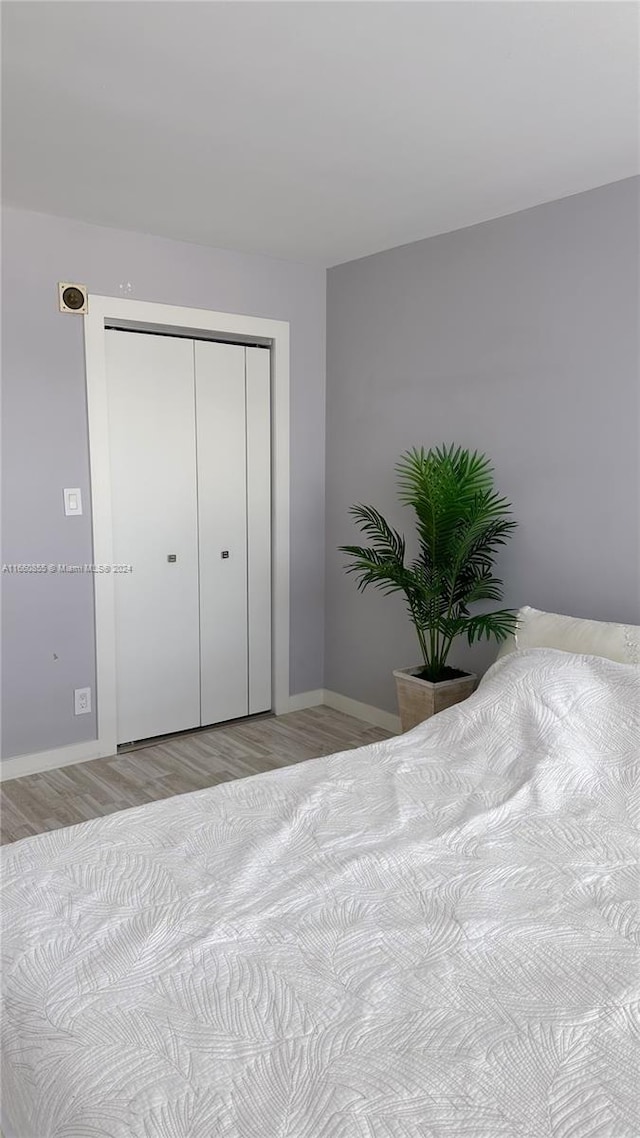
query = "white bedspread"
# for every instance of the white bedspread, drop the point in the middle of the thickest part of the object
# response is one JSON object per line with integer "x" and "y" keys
{"x": 429, "y": 937}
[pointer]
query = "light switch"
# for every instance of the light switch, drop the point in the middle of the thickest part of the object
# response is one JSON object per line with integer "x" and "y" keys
{"x": 72, "y": 502}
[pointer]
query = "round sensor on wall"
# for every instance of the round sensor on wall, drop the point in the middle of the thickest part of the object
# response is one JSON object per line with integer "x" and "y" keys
{"x": 73, "y": 297}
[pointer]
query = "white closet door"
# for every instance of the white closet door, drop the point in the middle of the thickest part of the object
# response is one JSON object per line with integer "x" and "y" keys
{"x": 258, "y": 379}
{"x": 222, "y": 515}
{"x": 150, "y": 383}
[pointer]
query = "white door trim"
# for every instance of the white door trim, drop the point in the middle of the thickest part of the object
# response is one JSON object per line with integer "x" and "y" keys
{"x": 107, "y": 309}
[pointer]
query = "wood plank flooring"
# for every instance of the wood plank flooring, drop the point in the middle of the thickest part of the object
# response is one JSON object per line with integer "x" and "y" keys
{"x": 57, "y": 798}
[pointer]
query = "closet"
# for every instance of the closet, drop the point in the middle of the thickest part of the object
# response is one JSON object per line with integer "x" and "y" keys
{"x": 190, "y": 461}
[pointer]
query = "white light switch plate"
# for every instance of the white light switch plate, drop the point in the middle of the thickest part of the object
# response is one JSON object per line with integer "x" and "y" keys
{"x": 72, "y": 502}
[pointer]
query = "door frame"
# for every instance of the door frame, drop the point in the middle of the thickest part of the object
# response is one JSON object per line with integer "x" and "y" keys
{"x": 215, "y": 325}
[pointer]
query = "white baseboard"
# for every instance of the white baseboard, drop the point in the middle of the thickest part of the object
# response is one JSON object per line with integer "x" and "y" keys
{"x": 305, "y": 699}
{"x": 347, "y": 706}
{"x": 363, "y": 711}
{"x": 19, "y": 765}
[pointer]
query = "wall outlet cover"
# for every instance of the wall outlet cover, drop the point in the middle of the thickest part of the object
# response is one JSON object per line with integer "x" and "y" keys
{"x": 82, "y": 701}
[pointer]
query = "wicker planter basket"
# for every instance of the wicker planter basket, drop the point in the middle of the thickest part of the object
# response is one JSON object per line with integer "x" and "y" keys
{"x": 420, "y": 699}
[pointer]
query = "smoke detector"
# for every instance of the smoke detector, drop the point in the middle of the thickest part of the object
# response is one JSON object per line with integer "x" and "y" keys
{"x": 73, "y": 297}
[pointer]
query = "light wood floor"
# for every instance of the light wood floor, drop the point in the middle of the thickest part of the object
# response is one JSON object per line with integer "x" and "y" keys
{"x": 48, "y": 801}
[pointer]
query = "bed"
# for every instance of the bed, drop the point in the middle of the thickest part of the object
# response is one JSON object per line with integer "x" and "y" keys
{"x": 430, "y": 937}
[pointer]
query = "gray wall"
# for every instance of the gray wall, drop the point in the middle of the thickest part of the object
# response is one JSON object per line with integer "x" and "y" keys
{"x": 48, "y": 629}
{"x": 518, "y": 337}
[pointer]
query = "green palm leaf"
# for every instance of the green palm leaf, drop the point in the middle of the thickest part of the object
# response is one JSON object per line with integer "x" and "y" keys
{"x": 461, "y": 523}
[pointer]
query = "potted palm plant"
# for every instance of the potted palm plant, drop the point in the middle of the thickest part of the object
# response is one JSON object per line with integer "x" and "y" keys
{"x": 461, "y": 521}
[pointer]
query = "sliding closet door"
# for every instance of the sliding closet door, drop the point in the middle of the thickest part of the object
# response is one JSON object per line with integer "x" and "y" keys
{"x": 150, "y": 382}
{"x": 234, "y": 515}
{"x": 222, "y": 518}
{"x": 189, "y": 427}
{"x": 258, "y": 380}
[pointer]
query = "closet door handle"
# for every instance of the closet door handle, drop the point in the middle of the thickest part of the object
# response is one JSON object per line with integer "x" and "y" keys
{"x": 224, "y": 553}
{"x": 172, "y": 557}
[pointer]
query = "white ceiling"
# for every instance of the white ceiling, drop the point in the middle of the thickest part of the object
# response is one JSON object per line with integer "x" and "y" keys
{"x": 314, "y": 131}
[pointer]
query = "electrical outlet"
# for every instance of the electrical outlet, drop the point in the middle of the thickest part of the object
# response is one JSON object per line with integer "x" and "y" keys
{"x": 82, "y": 701}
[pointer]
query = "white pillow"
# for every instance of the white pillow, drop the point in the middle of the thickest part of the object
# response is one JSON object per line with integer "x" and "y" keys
{"x": 619, "y": 642}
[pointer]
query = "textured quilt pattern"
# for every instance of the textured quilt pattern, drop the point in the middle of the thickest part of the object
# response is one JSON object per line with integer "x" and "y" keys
{"x": 431, "y": 937}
